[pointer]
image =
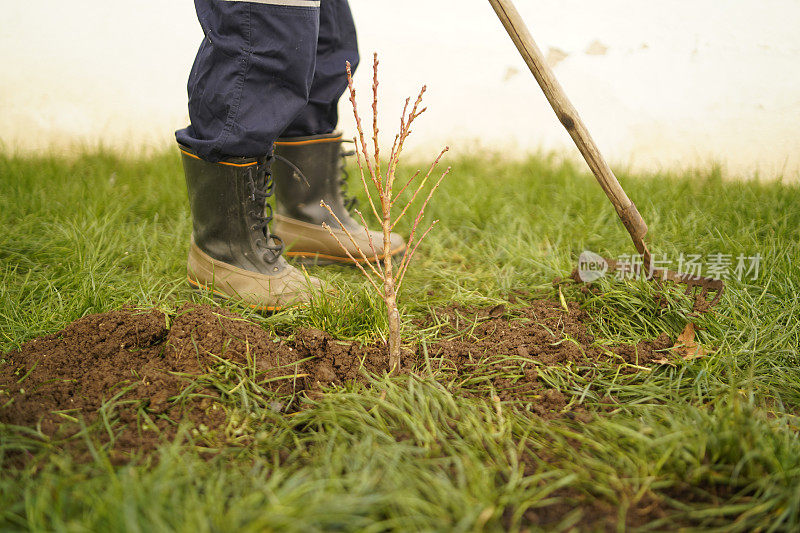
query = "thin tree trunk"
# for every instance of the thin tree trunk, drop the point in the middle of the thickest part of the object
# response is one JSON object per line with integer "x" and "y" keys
{"x": 394, "y": 333}
{"x": 390, "y": 295}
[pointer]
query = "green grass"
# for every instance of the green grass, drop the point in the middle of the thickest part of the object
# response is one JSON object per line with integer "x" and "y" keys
{"x": 712, "y": 442}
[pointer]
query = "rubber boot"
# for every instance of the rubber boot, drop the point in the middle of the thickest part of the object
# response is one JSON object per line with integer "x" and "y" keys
{"x": 299, "y": 215}
{"x": 232, "y": 252}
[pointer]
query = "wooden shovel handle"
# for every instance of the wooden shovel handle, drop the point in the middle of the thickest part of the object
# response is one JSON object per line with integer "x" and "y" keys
{"x": 569, "y": 117}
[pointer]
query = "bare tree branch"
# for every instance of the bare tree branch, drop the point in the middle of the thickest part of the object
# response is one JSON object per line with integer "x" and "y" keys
{"x": 364, "y": 183}
{"x": 359, "y": 127}
{"x": 366, "y": 274}
{"x": 421, "y": 213}
{"x": 350, "y": 236}
{"x": 421, "y": 185}
{"x": 375, "y": 146}
{"x": 401, "y": 272}
{"x": 369, "y": 236}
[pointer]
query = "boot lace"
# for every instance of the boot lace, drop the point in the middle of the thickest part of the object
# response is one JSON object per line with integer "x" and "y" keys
{"x": 262, "y": 187}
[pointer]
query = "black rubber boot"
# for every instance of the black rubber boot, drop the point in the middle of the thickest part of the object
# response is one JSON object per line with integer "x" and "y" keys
{"x": 232, "y": 252}
{"x": 299, "y": 214}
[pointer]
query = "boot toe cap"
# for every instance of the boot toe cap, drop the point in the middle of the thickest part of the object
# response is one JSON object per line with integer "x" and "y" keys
{"x": 287, "y": 287}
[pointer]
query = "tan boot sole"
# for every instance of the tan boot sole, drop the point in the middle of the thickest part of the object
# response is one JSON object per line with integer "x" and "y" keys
{"x": 252, "y": 289}
{"x": 199, "y": 287}
{"x": 312, "y": 256}
{"x": 312, "y": 244}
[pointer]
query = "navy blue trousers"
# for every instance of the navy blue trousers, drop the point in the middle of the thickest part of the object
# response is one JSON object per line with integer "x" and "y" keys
{"x": 265, "y": 69}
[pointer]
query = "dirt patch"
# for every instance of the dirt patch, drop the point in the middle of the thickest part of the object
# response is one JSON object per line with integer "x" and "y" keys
{"x": 595, "y": 513}
{"x": 136, "y": 369}
{"x": 73, "y": 370}
{"x": 503, "y": 351}
{"x": 140, "y": 368}
{"x": 113, "y": 366}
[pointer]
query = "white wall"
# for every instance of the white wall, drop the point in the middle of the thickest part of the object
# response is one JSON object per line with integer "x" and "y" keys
{"x": 673, "y": 83}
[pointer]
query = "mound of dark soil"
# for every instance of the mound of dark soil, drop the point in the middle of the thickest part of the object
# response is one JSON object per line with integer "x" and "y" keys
{"x": 72, "y": 371}
{"x": 145, "y": 360}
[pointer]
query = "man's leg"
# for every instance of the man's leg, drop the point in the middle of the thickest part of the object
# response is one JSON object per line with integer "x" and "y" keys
{"x": 252, "y": 75}
{"x": 311, "y": 144}
{"x": 337, "y": 44}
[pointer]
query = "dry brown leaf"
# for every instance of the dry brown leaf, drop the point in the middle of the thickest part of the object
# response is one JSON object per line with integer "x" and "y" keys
{"x": 686, "y": 346}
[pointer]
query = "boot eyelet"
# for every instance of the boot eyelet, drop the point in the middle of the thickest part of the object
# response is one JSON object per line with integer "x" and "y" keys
{"x": 275, "y": 269}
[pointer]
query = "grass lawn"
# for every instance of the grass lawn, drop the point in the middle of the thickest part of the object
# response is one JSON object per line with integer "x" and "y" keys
{"x": 705, "y": 443}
